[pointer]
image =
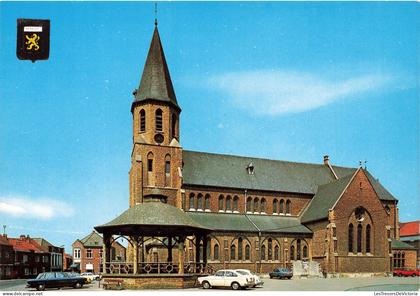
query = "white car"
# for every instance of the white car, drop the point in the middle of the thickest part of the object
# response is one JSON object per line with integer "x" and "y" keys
{"x": 90, "y": 276}
{"x": 226, "y": 278}
{"x": 247, "y": 272}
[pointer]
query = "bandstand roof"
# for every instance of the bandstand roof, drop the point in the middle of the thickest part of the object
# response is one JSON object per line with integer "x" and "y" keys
{"x": 152, "y": 218}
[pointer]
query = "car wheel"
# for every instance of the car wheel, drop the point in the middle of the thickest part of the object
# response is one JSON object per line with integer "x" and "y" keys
{"x": 40, "y": 287}
{"x": 289, "y": 277}
{"x": 78, "y": 285}
{"x": 413, "y": 275}
{"x": 235, "y": 286}
{"x": 271, "y": 276}
{"x": 206, "y": 285}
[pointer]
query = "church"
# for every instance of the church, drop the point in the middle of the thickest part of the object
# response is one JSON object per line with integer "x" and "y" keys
{"x": 262, "y": 213}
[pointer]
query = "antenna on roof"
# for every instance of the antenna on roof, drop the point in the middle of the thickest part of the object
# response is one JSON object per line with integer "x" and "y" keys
{"x": 4, "y": 230}
{"x": 365, "y": 164}
{"x": 156, "y": 22}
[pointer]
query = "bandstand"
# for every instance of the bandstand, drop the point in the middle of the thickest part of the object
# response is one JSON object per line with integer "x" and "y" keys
{"x": 151, "y": 221}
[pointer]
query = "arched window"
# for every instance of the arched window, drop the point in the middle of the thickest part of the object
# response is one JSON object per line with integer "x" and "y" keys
{"x": 247, "y": 252}
{"x": 240, "y": 248}
{"x": 305, "y": 252}
{"x": 142, "y": 120}
{"x": 167, "y": 170}
{"x": 263, "y": 206}
{"x": 282, "y": 206}
{"x": 221, "y": 201}
{"x": 192, "y": 201}
{"x": 232, "y": 252}
{"x": 216, "y": 252}
{"x": 263, "y": 252}
{"x": 276, "y": 253}
{"x": 228, "y": 203}
{"x": 207, "y": 202}
{"x": 249, "y": 204}
{"x": 292, "y": 253}
{"x": 256, "y": 205}
{"x": 158, "y": 120}
{"x": 368, "y": 238}
{"x": 174, "y": 120}
{"x": 150, "y": 176}
{"x": 270, "y": 249}
{"x": 350, "y": 238}
{"x": 199, "y": 201}
{"x": 275, "y": 206}
{"x": 235, "y": 203}
{"x": 288, "y": 206}
{"x": 359, "y": 238}
{"x": 298, "y": 249}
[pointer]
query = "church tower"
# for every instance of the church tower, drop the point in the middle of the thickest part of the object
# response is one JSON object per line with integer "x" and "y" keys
{"x": 156, "y": 158}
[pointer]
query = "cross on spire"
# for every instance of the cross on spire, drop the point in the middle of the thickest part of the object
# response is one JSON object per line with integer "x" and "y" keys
{"x": 156, "y": 22}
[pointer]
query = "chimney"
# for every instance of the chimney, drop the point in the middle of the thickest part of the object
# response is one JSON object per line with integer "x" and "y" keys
{"x": 326, "y": 160}
{"x": 22, "y": 237}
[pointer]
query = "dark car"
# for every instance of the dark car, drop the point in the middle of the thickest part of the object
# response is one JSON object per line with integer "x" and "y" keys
{"x": 55, "y": 280}
{"x": 281, "y": 273}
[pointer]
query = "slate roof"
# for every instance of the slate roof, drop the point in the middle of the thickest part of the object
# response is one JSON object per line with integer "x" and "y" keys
{"x": 93, "y": 239}
{"x": 153, "y": 213}
{"x": 249, "y": 223}
{"x": 325, "y": 199}
{"x": 399, "y": 245}
{"x": 220, "y": 170}
{"x": 156, "y": 81}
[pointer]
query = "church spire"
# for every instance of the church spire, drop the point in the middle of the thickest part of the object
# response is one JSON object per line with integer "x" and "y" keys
{"x": 156, "y": 81}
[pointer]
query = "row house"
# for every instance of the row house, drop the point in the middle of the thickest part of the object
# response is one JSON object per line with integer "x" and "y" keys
{"x": 57, "y": 254}
{"x": 87, "y": 253}
{"x": 7, "y": 259}
{"x": 30, "y": 258}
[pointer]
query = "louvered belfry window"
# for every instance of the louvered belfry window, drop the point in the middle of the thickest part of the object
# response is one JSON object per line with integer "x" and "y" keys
{"x": 159, "y": 125}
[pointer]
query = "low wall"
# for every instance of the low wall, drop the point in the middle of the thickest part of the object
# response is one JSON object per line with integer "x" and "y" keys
{"x": 152, "y": 281}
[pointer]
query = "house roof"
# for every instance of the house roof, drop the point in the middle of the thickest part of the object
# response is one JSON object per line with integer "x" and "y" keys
{"x": 324, "y": 199}
{"x": 93, "y": 239}
{"x": 25, "y": 244}
{"x": 220, "y": 170}
{"x": 410, "y": 228}
{"x": 249, "y": 223}
{"x": 399, "y": 245}
{"x": 4, "y": 241}
{"x": 156, "y": 81}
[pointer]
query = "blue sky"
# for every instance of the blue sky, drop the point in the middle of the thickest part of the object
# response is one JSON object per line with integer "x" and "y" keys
{"x": 288, "y": 81}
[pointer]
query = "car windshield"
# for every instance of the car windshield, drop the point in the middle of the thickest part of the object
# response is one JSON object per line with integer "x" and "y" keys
{"x": 242, "y": 272}
{"x": 40, "y": 276}
{"x": 49, "y": 275}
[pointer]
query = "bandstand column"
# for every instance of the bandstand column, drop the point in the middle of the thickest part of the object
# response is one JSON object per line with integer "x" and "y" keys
{"x": 170, "y": 249}
{"x": 136, "y": 254}
{"x": 181, "y": 241}
{"x": 106, "y": 251}
{"x": 205, "y": 242}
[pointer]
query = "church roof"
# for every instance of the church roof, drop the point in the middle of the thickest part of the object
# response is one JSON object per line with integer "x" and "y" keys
{"x": 219, "y": 170}
{"x": 156, "y": 81}
{"x": 324, "y": 199}
{"x": 249, "y": 223}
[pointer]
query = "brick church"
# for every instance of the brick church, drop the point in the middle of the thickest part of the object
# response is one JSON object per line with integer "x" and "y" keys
{"x": 263, "y": 213}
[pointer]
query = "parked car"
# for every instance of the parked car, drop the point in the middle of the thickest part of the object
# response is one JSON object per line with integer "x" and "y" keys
{"x": 55, "y": 280}
{"x": 247, "y": 272}
{"x": 227, "y": 278}
{"x": 281, "y": 273}
{"x": 90, "y": 276}
{"x": 406, "y": 272}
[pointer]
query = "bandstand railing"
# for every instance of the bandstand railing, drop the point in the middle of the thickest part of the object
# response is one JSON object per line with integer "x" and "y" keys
{"x": 158, "y": 268}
